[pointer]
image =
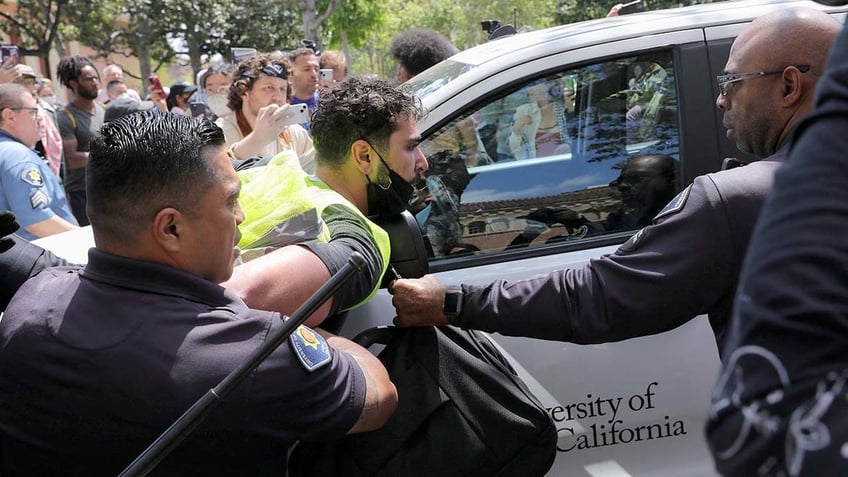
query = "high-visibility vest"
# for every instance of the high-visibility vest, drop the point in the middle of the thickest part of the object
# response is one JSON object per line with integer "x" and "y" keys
{"x": 273, "y": 194}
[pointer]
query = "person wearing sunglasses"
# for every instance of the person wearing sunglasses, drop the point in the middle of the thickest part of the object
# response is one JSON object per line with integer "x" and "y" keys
{"x": 28, "y": 187}
{"x": 259, "y": 95}
{"x": 687, "y": 261}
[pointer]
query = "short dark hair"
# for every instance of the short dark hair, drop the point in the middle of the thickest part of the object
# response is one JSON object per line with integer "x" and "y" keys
{"x": 143, "y": 162}
{"x": 251, "y": 69}
{"x": 359, "y": 108}
{"x": 419, "y": 48}
{"x": 294, "y": 55}
{"x": 70, "y": 69}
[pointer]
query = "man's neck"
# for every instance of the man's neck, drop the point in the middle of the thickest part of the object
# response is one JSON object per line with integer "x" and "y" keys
{"x": 83, "y": 103}
{"x": 303, "y": 96}
{"x": 345, "y": 183}
{"x": 248, "y": 116}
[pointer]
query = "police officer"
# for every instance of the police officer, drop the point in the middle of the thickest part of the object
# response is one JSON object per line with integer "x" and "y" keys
{"x": 780, "y": 406}
{"x": 687, "y": 261}
{"x": 27, "y": 185}
{"x": 98, "y": 360}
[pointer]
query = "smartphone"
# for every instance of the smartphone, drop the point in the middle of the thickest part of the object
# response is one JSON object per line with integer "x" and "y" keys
{"x": 197, "y": 108}
{"x": 10, "y": 56}
{"x": 327, "y": 74}
{"x": 297, "y": 114}
{"x": 240, "y": 54}
{"x": 156, "y": 86}
{"x": 631, "y": 7}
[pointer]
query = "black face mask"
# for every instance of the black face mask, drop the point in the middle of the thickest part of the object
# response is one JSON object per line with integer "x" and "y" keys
{"x": 390, "y": 199}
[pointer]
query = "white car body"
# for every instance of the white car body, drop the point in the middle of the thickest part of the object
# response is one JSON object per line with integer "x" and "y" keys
{"x": 631, "y": 408}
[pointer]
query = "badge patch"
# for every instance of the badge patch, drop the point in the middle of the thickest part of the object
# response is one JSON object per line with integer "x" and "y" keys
{"x": 676, "y": 204}
{"x": 39, "y": 199}
{"x": 32, "y": 176}
{"x": 633, "y": 243}
{"x": 310, "y": 348}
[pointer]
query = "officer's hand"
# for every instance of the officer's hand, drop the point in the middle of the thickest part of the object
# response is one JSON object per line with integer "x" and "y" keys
{"x": 419, "y": 302}
{"x": 8, "y": 226}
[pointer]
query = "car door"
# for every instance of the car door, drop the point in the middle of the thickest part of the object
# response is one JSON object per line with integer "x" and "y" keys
{"x": 500, "y": 208}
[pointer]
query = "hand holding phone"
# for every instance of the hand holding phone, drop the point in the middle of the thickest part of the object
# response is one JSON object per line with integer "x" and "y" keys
{"x": 631, "y": 7}
{"x": 156, "y": 87}
{"x": 10, "y": 56}
{"x": 296, "y": 114}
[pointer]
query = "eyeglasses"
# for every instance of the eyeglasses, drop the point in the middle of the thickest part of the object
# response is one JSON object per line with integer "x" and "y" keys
{"x": 221, "y": 90}
{"x": 725, "y": 82}
{"x": 33, "y": 111}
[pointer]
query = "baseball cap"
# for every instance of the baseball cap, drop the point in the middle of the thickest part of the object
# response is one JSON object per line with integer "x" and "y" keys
{"x": 182, "y": 87}
{"x": 25, "y": 70}
{"x": 123, "y": 105}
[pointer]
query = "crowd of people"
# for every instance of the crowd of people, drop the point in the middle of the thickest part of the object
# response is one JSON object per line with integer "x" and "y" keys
{"x": 179, "y": 187}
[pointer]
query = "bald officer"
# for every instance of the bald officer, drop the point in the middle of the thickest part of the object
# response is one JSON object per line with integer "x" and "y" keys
{"x": 657, "y": 280}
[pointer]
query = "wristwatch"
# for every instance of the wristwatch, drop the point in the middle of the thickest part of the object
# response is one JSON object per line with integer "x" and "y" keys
{"x": 453, "y": 303}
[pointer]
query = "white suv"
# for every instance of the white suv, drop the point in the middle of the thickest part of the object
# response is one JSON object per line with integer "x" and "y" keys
{"x": 508, "y": 209}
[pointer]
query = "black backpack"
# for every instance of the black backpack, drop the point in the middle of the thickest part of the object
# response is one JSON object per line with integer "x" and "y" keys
{"x": 462, "y": 411}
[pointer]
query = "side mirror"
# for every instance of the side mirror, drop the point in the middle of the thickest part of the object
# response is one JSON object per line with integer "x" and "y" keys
{"x": 409, "y": 253}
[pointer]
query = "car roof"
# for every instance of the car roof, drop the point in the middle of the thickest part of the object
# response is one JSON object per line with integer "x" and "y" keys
{"x": 488, "y": 58}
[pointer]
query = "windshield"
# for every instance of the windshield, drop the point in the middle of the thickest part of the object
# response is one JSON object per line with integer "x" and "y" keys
{"x": 436, "y": 77}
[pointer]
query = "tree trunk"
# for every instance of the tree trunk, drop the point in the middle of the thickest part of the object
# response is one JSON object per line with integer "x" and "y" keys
{"x": 142, "y": 49}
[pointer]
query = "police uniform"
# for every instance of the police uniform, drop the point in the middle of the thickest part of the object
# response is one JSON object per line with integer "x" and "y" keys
{"x": 98, "y": 361}
{"x": 780, "y": 406}
{"x": 284, "y": 205}
{"x": 30, "y": 189}
{"x": 685, "y": 263}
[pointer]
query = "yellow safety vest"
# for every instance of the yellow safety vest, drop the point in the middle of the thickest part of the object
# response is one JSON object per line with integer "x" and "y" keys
{"x": 276, "y": 192}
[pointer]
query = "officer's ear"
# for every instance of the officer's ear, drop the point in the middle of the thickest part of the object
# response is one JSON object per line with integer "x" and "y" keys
{"x": 793, "y": 86}
{"x": 167, "y": 229}
{"x": 362, "y": 155}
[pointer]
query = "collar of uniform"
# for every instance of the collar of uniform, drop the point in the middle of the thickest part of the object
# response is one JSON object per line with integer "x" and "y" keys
{"x": 156, "y": 278}
{"x": 6, "y": 136}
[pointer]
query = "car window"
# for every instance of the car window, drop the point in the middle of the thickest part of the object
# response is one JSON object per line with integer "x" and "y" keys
{"x": 584, "y": 152}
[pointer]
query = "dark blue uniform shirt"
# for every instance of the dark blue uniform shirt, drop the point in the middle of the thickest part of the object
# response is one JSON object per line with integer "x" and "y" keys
{"x": 780, "y": 406}
{"x": 684, "y": 264}
{"x": 96, "y": 362}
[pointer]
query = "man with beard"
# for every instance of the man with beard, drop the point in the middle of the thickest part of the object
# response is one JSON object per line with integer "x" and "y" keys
{"x": 687, "y": 262}
{"x": 366, "y": 157}
{"x": 78, "y": 122}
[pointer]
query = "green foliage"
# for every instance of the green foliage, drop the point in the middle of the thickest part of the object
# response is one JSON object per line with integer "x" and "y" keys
{"x": 354, "y": 20}
{"x": 262, "y": 24}
{"x": 152, "y": 29}
{"x": 570, "y": 11}
{"x": 35, "y": 23}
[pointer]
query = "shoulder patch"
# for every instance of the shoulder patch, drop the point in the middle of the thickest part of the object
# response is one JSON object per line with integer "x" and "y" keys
{"x": 32, "y": 176}
{"x": 310, "y": 348}
{"x": 633, "y": 243}
{"x": 676, "y": 204}
{"x": 39, "y": 200}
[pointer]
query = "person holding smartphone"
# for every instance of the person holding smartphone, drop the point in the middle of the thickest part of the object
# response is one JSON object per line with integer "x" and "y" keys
{"x": 264, "y": 124}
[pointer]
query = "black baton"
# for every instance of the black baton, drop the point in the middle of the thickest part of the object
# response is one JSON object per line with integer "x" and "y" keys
{"x": 190, "y": 419}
